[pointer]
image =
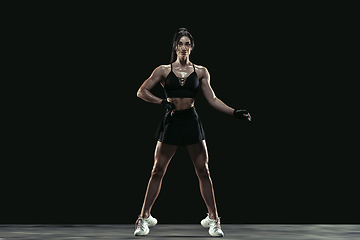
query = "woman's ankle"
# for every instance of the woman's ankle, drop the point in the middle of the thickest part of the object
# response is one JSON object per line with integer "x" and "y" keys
{"x": 145, "y": 215}
{"x": 213, "y": 216}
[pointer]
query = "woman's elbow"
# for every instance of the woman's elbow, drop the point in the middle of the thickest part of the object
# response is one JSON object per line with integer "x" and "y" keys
{"x": 139, "y": 93}
{"x": 212, "y": 102}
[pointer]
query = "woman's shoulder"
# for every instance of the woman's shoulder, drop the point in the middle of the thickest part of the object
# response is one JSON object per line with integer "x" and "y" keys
{"x": 165, "y": 68}
{"x": 199, "y": 67}
{"x": 201, "y": 70}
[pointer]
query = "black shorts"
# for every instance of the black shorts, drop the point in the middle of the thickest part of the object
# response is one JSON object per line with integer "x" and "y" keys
{"x": 180, "y": 128}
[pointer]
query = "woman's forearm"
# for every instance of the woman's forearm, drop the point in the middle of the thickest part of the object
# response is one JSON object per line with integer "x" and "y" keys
{"x": 222, "y": 107}
{"x": 147, "y": 96}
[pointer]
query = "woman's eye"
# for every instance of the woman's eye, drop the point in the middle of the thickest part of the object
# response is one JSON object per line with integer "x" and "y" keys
{"x": 186, "y": 44}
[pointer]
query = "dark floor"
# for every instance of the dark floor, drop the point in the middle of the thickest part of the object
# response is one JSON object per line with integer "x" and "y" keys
{"x": 183, "y": 231}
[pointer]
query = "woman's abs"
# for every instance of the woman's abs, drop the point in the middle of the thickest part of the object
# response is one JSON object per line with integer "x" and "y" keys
{"x": 182, "y": 103}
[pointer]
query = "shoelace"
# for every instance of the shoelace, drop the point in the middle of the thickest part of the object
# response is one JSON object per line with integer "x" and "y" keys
{"x": 217, "y": 223}
{"x": 139, "y": 223}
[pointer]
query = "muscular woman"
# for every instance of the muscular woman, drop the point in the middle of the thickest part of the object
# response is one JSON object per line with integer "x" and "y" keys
{"x": 181, "y": 127}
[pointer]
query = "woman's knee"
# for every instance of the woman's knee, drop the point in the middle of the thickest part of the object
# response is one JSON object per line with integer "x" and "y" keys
{"x": 203, "y": 172}
{"x": 158, "y": 172}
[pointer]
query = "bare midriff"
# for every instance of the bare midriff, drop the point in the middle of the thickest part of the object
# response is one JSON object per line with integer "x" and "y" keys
{"x": 182, "y": 103}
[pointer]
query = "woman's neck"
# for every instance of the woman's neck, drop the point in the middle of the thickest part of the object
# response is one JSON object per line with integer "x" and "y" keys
{"x": 183, "y": 61}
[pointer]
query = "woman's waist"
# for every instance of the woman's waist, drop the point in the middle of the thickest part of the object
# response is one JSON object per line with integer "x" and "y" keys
{"x": 184, "y": 114}
{"x": 182, "y": 103}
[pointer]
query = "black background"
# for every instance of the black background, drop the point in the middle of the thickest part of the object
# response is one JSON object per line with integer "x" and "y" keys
{"x": 86, "y": 143}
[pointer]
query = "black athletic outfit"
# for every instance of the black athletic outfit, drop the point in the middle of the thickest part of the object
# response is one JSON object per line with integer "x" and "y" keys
{"x": 182, "y": 127}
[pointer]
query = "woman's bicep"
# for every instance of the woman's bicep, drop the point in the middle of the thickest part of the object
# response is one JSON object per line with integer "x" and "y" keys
{"x": 206, "y": 87}
{"x": 156, "y": 77}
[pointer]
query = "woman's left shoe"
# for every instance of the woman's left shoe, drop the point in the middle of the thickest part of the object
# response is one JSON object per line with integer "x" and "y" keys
{"x": 142, "y": 229}
{"x": 143, "y": 224}
{"x": 213, "y": 225}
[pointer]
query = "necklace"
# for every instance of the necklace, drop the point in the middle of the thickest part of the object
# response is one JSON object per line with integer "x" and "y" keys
{"x": 182, "y": 81}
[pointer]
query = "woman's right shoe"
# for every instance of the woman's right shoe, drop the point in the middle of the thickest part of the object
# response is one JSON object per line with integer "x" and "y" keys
{"x": 142, "y": 225}
{"x": 151, "y": 221}
{"x": 213, "y": 225}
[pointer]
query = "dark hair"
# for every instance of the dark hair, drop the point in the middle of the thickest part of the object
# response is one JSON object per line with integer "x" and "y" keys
{"x": 179, "y": 34}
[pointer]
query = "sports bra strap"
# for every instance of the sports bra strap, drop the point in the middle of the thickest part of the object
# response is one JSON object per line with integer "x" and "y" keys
{"x": 194, "y": 67}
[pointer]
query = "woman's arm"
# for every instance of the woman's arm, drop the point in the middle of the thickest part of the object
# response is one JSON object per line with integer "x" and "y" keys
{"x": 210, "y": 95}
{"x": 144, "y": 91}
{"x": 217, "y": 103}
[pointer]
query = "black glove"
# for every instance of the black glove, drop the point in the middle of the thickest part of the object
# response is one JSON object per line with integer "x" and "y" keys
{"x": 240, "y": 114}
{"x": 168, "y": 105}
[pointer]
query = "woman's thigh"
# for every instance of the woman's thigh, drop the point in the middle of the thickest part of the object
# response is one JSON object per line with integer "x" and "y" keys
{"x": 162, "y": 156}
{"x": 199, "y": 155}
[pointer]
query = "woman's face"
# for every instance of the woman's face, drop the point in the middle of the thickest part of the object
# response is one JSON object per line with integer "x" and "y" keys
{"x": 183, "y": 49}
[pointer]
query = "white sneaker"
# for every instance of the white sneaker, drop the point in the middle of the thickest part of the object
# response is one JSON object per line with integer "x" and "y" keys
{"x": 151, "y": 222}
{"x": 213, "y": 225}
{"x": 142, "y": 225}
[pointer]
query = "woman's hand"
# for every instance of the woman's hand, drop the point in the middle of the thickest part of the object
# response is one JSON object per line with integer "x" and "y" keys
{"x": 168, "y": 105}
{"x": 242, "y": 114}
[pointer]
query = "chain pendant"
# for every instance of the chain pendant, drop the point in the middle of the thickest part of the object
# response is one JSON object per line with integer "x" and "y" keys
{"x": 182, "y": 81}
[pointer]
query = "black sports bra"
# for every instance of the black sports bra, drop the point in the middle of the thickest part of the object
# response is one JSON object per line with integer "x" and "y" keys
{"x": 181, "y": 87}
